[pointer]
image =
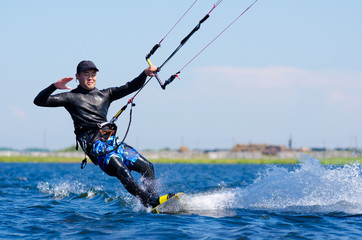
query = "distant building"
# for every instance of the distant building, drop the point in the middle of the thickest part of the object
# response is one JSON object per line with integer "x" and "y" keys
{"x": 183, "y": 149}
{"x": 319, "y": 149}
{"x": 271, "y": 150}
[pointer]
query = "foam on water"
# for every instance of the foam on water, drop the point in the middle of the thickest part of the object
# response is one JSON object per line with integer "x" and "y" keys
{"x": 70, "y": 188}
{"x": 309, "y": 187}
{"x": 67, "y": 188}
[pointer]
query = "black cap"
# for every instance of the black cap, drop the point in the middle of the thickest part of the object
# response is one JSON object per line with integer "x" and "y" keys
{"x": 85, "y": 66}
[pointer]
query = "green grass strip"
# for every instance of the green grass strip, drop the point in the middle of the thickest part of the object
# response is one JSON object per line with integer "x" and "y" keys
{"x": 28, "y": 159}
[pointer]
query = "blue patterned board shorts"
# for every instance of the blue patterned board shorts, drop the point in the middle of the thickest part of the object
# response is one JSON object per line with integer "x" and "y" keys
{"x": 126, "y": 153}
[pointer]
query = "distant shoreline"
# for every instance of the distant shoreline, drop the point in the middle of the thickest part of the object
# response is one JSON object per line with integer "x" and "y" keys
{"x": 32, "y": 159}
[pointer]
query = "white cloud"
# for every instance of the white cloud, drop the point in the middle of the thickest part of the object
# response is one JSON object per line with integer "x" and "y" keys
{"x": 347, "y": 102}
{"x": 338, "y": 88}
{"x": 260, "y": 77}
{"x": 281, "y": 76}
{"x": 18, "y": 113}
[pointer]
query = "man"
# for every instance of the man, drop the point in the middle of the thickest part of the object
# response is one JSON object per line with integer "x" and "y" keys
{"x": 88, "y": 108}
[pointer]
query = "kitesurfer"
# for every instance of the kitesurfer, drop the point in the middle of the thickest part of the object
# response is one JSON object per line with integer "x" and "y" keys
{"x": 88, "y": 108}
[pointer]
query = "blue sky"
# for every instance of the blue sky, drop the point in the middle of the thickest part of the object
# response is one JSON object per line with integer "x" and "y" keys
{"x": 286, "y": 68}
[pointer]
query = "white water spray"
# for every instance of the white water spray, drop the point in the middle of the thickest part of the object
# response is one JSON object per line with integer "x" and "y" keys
{"x": 310, "y": 187}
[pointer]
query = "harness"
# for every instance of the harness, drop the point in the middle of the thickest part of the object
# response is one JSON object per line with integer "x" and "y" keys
{"x": 87, "y": 135}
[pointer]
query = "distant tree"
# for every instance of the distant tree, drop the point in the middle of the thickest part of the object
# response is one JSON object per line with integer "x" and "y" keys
{"x": 165, "y": 149}
{"x": 6, "y": 149}
{"x": 34, "y": 149}
{"x": 69, "y": 149}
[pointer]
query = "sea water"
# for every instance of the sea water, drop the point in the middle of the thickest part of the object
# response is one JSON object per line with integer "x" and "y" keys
{"x": 307, "y": 200}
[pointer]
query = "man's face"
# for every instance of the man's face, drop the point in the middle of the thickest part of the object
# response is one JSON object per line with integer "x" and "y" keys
{"x": 87, "y": 79}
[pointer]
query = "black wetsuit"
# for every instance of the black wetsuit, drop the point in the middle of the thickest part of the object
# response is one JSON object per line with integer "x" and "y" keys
{"x": 89, "y": 108}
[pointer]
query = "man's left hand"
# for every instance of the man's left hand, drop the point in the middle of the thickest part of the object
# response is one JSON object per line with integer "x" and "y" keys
{"x": 149, "y": 71}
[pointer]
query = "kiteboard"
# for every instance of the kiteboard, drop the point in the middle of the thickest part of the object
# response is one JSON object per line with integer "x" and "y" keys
{"x": 172, "y": 205}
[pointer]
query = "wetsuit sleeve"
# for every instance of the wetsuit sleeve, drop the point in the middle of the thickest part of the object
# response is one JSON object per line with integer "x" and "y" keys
{"x": 129, "y": 87}
{"x": 44, "y": 98}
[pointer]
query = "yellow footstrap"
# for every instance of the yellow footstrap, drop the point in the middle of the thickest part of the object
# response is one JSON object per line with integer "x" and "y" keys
{"x": 163, "y": 198}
